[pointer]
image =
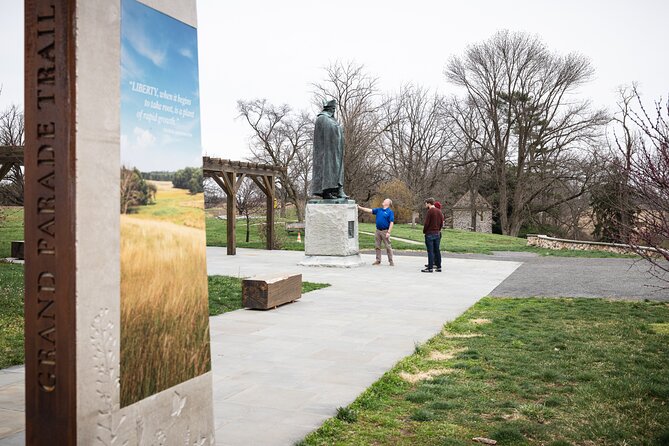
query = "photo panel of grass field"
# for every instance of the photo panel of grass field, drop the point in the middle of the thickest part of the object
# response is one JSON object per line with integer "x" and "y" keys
{"x": 164, "y": 310}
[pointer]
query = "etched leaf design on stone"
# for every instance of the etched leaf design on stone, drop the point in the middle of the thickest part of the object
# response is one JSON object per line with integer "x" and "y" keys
{"x": 160, "y": 437}
{"x": 107, "y": 382}
{"x": 197, "y": 442}
{"x": 202, "y": 441}
{"x": 178, "y": 403}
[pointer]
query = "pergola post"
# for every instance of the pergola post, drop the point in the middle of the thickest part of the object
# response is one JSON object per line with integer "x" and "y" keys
{"x": 231, "y": 225}
{"x": 223, "y": 180}
{"x": 231, "y": 211}
{"x": 269, "y": 186}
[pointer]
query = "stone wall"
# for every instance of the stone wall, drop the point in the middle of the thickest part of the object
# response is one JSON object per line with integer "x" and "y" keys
{"x": 462, "y": 219}
{"x": 543, "y": 241}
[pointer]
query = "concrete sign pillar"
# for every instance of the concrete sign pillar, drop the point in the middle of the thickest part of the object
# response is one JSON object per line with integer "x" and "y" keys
{"x": 73, "y": 307}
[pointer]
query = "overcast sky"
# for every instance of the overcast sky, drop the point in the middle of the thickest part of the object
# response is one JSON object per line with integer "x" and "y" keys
{"x": 276, "y": 50}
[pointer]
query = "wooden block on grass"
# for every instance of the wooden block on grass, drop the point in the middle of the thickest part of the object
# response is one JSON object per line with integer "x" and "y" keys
{"x": 270, "y": 291}
{"x": 17, "y": 249}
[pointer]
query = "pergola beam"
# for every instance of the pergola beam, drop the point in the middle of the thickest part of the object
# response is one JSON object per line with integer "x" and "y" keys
{"x": 238, "y": 167}
{"x": 260, "y": 184}
{"x": 221, "y": 183}
{"x": 4, "y": 169}
{"x": 10, "y": 156}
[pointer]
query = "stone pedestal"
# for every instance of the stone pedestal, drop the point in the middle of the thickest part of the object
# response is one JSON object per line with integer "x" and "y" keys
{"x": 331, "y": 234}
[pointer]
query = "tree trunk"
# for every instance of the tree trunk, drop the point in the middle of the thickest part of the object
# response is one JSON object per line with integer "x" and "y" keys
{"x": 248, "y": 227}
{"x": 472, "y": 207}
{"x": 299, "y": 209}
{"x": 282, "y": 207}
{"x": 515, "y": 226}
{"x": 503, "y": 209}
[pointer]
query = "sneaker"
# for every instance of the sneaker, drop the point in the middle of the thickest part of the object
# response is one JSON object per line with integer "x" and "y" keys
{"x": 426, "y": 270}
{"x": 438, "y": 270}
{"x": 392, "y": 263}
{"x": 376, "y": 263}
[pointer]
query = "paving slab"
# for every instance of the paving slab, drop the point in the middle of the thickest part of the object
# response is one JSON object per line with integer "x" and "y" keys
{"x": 278, "y": 374}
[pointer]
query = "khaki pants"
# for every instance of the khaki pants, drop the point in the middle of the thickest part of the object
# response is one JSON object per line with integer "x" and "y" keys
{"x": 380, "y": 237}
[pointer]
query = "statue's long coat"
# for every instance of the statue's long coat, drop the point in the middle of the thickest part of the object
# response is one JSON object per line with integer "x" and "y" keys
{"x": 328, "y": 154}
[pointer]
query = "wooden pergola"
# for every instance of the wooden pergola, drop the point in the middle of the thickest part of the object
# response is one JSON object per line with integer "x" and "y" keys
{"x": 10, "y": 156}
{"x": 229, "y": 175}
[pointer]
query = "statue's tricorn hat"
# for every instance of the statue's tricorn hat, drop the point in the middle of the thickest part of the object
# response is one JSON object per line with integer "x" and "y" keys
{"x": 330, "y": 105}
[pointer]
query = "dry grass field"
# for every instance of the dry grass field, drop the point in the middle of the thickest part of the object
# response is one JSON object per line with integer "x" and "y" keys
{"x": 174, "y": 206}
{"x": 164, "y": 307}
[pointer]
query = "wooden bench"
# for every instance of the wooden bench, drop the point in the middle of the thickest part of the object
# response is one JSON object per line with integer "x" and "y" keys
{"x": 269, "y": 291}
{"x": 17, "y": 250}
{"x": 295, "y": 226}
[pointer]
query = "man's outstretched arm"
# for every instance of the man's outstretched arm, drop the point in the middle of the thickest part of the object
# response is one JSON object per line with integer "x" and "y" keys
{"x": 364, "y": 209}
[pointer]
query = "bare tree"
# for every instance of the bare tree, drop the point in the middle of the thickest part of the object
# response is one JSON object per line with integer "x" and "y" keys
{"x": 648, "y": 179}
{"x": 532, "y": 123}
{"x": 213, "y": 194}
{"x": 12, "y": 133}
{"x": 471, "y": 147}
{"x": 281, "y": 138}
{"x": 298, "y": 131}
{"x": 249, "y": 199}
{"x": 416, "y": 143}
{"x": 612, "y": 198}
{"x": 359, "y": 108}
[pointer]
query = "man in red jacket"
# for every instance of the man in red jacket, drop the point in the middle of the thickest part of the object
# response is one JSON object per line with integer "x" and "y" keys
{"x": 434, "y": 220}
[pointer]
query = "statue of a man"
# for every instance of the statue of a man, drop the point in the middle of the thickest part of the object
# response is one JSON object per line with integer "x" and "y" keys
{"x": 328, "y": 173}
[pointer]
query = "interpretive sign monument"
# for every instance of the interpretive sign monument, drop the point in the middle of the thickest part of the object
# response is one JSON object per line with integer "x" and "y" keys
{"x": 111, "y": 86}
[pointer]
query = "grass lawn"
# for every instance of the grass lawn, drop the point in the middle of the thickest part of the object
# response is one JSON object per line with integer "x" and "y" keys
{"x": 217, "y": 234}
{"x": 189, "y": 214}
{"x": 11, "y": 314}
{"x": 11, "y": 222}
{"x": 225, "y": 293}
{"x": 471, "y": 242}
{"x": 552, "y": 372}
{"x": 367, "y": 242}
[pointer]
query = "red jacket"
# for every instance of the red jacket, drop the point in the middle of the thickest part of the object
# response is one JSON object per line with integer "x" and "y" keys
{"x": 434, "y": 220}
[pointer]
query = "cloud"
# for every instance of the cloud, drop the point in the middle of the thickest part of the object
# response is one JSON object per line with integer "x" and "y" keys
{"x": 186, "y": 52}
{"x": 143, "y": 138}
{"x": 130, "y": 69}
{"x": 134, "y": 35}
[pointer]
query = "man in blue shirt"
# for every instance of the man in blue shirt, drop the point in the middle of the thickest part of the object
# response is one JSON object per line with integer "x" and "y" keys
{"x": 385, "y": 218}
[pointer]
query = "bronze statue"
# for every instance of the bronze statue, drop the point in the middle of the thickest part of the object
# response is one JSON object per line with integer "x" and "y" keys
{"x": 328, "y": 173}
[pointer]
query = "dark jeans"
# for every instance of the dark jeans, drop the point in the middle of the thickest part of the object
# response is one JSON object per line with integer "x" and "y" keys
{"x": 433, "y": 252}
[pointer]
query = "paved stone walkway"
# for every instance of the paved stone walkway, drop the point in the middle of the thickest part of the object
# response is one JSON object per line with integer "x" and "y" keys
{"x": 279, "y": 374}
{"x": 290, "y": 368}
{"x": 12, "y": 406}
